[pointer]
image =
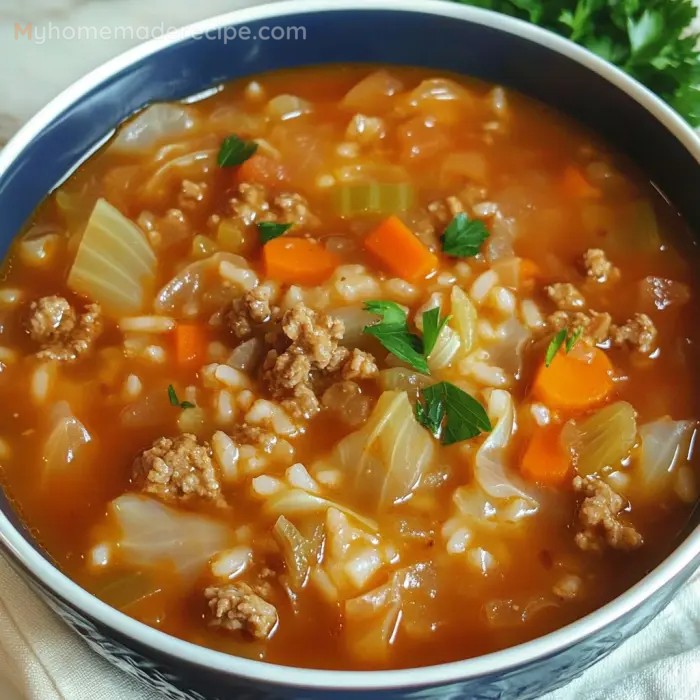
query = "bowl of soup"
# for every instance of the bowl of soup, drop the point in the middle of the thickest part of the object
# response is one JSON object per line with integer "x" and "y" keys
{"x": 347, "y": 362}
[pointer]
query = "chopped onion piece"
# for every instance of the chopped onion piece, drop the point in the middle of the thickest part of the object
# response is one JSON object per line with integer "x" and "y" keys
{"x": 464, "y": 318}
{"x": 65, "y": 442}
{"x": 295, "y": 550}
{"x": 152, "y": 126}
{"x": 665, "y": 445}
{"x": 602, "y": 440}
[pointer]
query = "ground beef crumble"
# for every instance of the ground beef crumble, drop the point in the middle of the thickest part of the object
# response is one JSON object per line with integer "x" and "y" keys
{"x": 254, "y": 204}
{"x": 596, "y": 326}
{"x": 63, "y": 335}
{"x": 598, "y": 267}
{"x": 308, "y": 348}
{"x": 253, "y": 435}
{"x": 360, "y": 365}
{"x": 598, "y": 517}
{"x": 638, "y": 333}
{"x": 178, "y": 468}
{"x": 250, "y": 311}
{"x": 237, "y": 606}
{"x": 565, "y": 296}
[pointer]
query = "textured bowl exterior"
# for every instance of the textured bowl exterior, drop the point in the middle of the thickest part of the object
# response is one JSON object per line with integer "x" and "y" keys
{"x": 438, "y": 35}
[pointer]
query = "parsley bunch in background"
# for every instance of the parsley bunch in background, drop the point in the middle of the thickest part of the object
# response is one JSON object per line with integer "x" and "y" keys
{"x": 649, "y": 39}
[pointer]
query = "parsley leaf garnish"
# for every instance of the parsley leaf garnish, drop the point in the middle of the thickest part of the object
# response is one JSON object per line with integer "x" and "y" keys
{"x": 451, "y": 414}
{"x": 174, "y": 401}
{"x": 573, "y": 339}
{"x": 234, "y": 151}
{"x": 432, "y": 325}
{"x": 554, "y": 345}
{"x": 558, "y": 340}
{"x": 392, "y": 332}
{"x": 269, "y": 230}
{"x": 463, "y": 237}
{"x": 650, "y": 40}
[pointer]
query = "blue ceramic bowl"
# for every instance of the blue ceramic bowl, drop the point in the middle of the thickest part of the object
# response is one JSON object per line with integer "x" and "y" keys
{"x": 439, "y": 35}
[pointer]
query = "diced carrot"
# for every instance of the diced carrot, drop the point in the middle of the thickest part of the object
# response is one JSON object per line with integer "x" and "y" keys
{"x": 529, "y": 271}
{"x": 298, "y": 261}
{"x": 261, "y": 169}
{"x": 574, "y": 381}
{"x": 545, "y": 460}
{"x": 576, "y": 185}
{"x": 190, "y": 343}
{"x": 400, "y": 251}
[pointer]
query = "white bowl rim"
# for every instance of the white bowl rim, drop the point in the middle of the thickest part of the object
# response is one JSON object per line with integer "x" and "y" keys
{"x": 678, "y": 562}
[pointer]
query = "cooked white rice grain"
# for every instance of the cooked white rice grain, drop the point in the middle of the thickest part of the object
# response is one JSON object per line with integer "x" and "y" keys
{"x": 225, "y": 407}
{"x": 245, "y": 399}
{"x": 231, "y": 563}
{"x": 332, "y": 478}
{"x": 347, "y": 150}
{"x": 503, "y": 300}
{"x": 217, "y": 352}
{"x": 99, "y": 556}
{"x": 230, "y": 377}
{"x": 226, "y": 454}
{"x": 481, "y": 560}
{"x": 486, "y": 330}
{"x": 531, "y": 315}
{"x": 42, "y": 378}
{"x": 266, "y": 486}
{"x": 482, "y": 285}
{"x": 484, "y": 374}
{"x": 267, "y": 149}
{"x": 240, "y": 277}
{"x": 568, "y": 587}
{"x": 264, "y": 412}
{"x": 458, "y": 541}
{"x": 485, "y": 209}
{"x": 463, "y": 270}
{"x": 254, "y": 91}
{"x": 10, "y": 297}
{"x": 445, "y": 279}
{"x": 401, "y": 291}
{"x": 282, "y": 452}
{"x": 540, "y": 413}
{"x": 254, "y": 465}
{"x": 147, "y": 324}
{"x": 155, "y": 353}
{"x": 298, "y": 476}
{"x": 132, "y": 387}
{"x": 324, "y": 182}
{"x": 362, "y": 567}
{"x": 499, "y": 101}
{"x": 354, "y": 283}
{"x": 686, "y": 486}
{"x": 619, "y": 481}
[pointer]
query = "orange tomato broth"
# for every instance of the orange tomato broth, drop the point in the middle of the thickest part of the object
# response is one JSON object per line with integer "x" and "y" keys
{"x": 539, "y": 147}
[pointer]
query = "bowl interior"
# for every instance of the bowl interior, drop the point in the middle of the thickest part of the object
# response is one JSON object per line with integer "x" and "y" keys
{"x": 435, "y": 35}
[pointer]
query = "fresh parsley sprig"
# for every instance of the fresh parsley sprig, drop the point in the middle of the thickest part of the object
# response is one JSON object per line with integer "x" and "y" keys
{"x": 432, "y": 327}
{"x": 174, "y": 401}
{"x": 269, "y": 230}
{"x": 393, "y": 333}
{"x": 650, "y": 40}
{"x": 450, "y": 413}
{"x": 558, "y": 340}
{"x": 464, "y": 237}
{"x": 234, "y": 150}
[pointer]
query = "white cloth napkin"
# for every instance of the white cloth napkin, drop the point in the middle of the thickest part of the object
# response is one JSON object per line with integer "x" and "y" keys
{"x": 41, "y": 658}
